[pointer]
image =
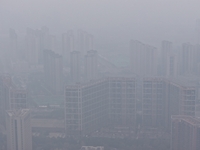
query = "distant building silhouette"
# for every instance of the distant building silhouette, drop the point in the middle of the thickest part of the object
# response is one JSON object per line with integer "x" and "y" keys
{"x": 68, "y": 45}
{"x": 13, "y": 44}
{"x": 91, "y": 65}
{"x": 169, "y": 60}
{"x": 53, "y": 71}
{"x": 85, "y": 42}
{"x": 75, "y": 66}
{"x": 143, "y": 59}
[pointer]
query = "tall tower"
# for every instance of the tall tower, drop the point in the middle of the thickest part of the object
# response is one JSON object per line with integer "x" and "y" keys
{"x": 143, "y": 58}
{"x": 85, "y": 42}
{"x": 198, "y": 31}
{"x": 32, "y": 47}
{"x": 166, "y": 50}
{"x": 187, "y": 59}
{"x": 75, "y": 66}
{"x": 19, "y": 134}
{"x": 13, "y": 44}
{"x": 91, "y": 65}
{"x": 53, "y": 71}
{"x": 68, "y": 45}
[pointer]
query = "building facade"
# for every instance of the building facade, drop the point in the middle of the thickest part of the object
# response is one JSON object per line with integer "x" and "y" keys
{"x": 185, "y": 133}
{"x": 19, "y": 132}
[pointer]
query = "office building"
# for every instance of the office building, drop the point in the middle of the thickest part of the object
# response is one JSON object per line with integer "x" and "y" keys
{"x": 53, "y": 71}
{"x": 154, "y": 101}
{"x": 122, "y": 101}
{"x": 86, "y": 107}
{"x": 109, "y": 101}
{"x": 181, "y": 98}
{"x": 185, "y": 133}
{"x": 162, "y": 98}
{"x": 75, "y": 66}
{"x": 91, "y": 65}
{"x": 18, "y": 129}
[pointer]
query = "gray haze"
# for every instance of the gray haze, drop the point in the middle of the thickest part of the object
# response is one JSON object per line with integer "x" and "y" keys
{"x": 120, "y": 74}
{"x": 116, "y": 20}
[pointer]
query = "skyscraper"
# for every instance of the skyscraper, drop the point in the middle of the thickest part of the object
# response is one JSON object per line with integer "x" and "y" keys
{"x": 75, "y": 65}
{"x": 166, "y": 50}
{"x": 32, "y": 47}
{"x": 198, "y": 31}
{"x": 18, "y": 130}
{"x": 91, "y": 65}
{"x": 53, "y": 71}
{"x": 143, "y": 59}
{"x": 68, "y": 45}
{"x": 85, "y": 42}
{"x": 187, "y": 59}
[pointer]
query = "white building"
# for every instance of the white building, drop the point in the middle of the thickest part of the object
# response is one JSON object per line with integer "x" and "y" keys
{"x": 19, "y": 134}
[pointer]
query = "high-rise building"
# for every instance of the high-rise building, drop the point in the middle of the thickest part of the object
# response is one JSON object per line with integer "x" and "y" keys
{"x": 75, "y": 65}
{"x": 13, "y": 43}
{"x": 122, "y": 101}
{"x": 91, "y": 65}
{"x": 110, "y": 101}
{"x": 143, "y": 59}
{"x": 32, "y": 47}
{"x": 68, "y": 45}
{"x": 166, "y": 60}
{"x": 172, "y": 66}
{"x": 181, "y": 98}
{"x": 12, "y": 97}
{"x": 85, "y": 42}
{"x": 154, "y": 102}
{"x": 187, "y": 59}
{"x": 18, "y": 130}
{"x": 198, "y": 31}
{"x": 162, "y": 98}
{"x": 185, "y": 133}
{"x": 53, "y": 71}
{"x": 86, "y": 107}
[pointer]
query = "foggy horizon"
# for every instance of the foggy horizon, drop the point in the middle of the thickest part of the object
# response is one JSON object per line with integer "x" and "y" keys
{"x": 99, "y": 75}
{"x": 148, "y": 21}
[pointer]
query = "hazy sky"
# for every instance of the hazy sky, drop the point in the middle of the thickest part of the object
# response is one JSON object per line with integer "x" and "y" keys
{"x": 146, "y": 20}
